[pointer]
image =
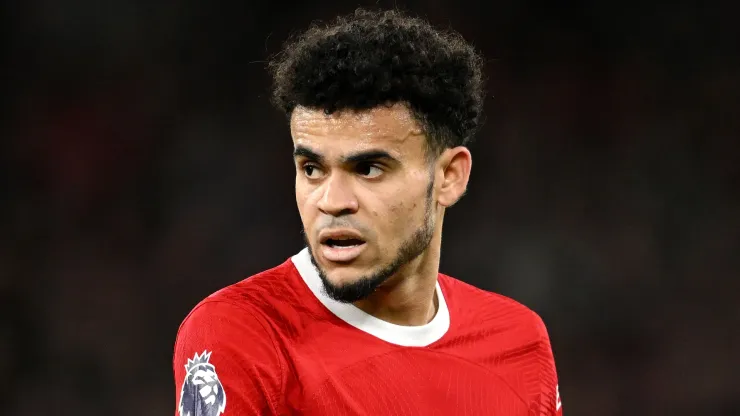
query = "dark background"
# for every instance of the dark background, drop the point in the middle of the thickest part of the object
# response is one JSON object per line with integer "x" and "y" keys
{"x": 143, "y": 168}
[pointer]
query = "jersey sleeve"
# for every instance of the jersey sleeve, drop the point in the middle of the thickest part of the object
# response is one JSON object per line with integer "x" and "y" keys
{"x": 225, "y": 362}
{"x": 547, "y": 402}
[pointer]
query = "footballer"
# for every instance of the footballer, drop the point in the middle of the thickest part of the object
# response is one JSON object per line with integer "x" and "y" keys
{"x": 381, "y": 107}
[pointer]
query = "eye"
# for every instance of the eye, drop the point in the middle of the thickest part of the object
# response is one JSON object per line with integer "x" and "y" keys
{"x": 369, "y": 170}
{"x": 311, "y": 171}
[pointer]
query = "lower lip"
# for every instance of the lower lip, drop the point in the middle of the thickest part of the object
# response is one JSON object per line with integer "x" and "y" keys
{"x": 341, "y": 254}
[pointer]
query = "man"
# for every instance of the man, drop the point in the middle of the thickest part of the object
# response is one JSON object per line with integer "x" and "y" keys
{"x": 361, "y": 322}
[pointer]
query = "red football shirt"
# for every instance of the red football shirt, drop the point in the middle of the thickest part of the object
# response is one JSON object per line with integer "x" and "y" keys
{"x": 275, "y": 344}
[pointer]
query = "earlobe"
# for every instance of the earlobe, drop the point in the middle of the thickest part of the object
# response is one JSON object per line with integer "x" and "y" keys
{"x": 455, "y": 165}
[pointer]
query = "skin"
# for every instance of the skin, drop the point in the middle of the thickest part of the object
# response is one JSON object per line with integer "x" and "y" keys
{"x": 395, "y": 203}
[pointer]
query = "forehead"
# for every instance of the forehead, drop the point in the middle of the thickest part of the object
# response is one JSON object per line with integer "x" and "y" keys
{"x": 391, "y": 128}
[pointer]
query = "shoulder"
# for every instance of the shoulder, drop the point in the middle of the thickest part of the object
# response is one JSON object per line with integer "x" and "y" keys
{"x": 261, "y": 290}
{"x": 239, "y": 310}
{"x": 518, "y": 337}
{"x": 493, "y": 310}
{"x": 226, "y": 343}
{"x": 249, "y": 298}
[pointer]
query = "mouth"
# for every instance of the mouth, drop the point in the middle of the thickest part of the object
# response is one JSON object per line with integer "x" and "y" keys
{"x": 341, "y": 246}
{"x": 342, "y": 243}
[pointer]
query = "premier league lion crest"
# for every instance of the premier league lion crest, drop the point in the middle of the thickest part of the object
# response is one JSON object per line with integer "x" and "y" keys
{"x": 202, "y": 393}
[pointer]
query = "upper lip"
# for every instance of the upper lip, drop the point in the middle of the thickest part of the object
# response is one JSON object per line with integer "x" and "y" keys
{"x": 339, "y": 235}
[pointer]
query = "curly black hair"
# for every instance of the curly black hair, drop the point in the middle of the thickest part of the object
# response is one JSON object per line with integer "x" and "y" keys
{"x": 373, "y": 58}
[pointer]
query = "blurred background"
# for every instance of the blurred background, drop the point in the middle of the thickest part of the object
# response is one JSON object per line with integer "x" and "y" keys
{"x": 144, "y": 168}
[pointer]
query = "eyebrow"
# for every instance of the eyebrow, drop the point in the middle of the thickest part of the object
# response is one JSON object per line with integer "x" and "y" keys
{"x": 359, "y": 157}
{"x": 302, "y": 151}
{"x": 368, "y": 155}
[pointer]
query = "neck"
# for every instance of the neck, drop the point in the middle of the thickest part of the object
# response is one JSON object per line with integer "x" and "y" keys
{"x": 409, "y": 297}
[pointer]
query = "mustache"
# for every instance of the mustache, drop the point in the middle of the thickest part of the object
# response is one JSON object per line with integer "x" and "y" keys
{"x": 330, "y": 222}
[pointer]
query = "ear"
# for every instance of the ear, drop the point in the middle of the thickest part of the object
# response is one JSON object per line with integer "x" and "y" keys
{"x": 453, "y": 174}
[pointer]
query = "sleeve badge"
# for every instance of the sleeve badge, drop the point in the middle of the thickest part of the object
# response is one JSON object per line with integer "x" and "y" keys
{"x": 202, "y": 393}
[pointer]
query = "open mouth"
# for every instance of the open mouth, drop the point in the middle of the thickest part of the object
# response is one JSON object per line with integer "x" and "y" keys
{"x": 343, "y": 242}
{"x": 341, "y": 246}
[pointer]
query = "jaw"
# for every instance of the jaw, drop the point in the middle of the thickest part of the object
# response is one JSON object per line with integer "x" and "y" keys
{"x": 341, "y": 273}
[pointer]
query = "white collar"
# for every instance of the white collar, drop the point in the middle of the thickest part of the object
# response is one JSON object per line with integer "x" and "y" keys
{"x": 408, "y": 336}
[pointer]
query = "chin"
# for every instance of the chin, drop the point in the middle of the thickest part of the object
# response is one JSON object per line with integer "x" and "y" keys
{"x": 342, "y": 275}
{"x": 348, "y": 286}
{"x": 346, "y": 282}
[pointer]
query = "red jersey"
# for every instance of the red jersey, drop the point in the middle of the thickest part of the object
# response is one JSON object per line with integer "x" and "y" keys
{"x": 276, "y": 344}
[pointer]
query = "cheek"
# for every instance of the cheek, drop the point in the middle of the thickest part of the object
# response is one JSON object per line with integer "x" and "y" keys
{"x": 303, "y": 201}
{"x": 402, "y": 215}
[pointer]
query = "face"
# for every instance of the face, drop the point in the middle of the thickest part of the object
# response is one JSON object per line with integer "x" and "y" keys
{"x": 365, "y": 193}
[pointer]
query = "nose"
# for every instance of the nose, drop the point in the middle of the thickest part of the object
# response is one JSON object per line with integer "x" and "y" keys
{"x": 337, "y": 197}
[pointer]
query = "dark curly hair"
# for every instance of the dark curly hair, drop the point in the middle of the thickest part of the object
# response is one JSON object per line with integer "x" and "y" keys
{"x": 369, "y": 58}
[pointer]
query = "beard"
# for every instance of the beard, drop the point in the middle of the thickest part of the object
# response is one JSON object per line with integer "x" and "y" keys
{"x": 409, "y": 250}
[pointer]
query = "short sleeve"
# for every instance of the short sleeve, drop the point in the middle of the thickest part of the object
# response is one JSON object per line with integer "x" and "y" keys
{"x": 225, "y": 362}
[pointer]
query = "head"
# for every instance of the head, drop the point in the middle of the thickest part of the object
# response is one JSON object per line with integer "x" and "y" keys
{"x": 381, "y": 107}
